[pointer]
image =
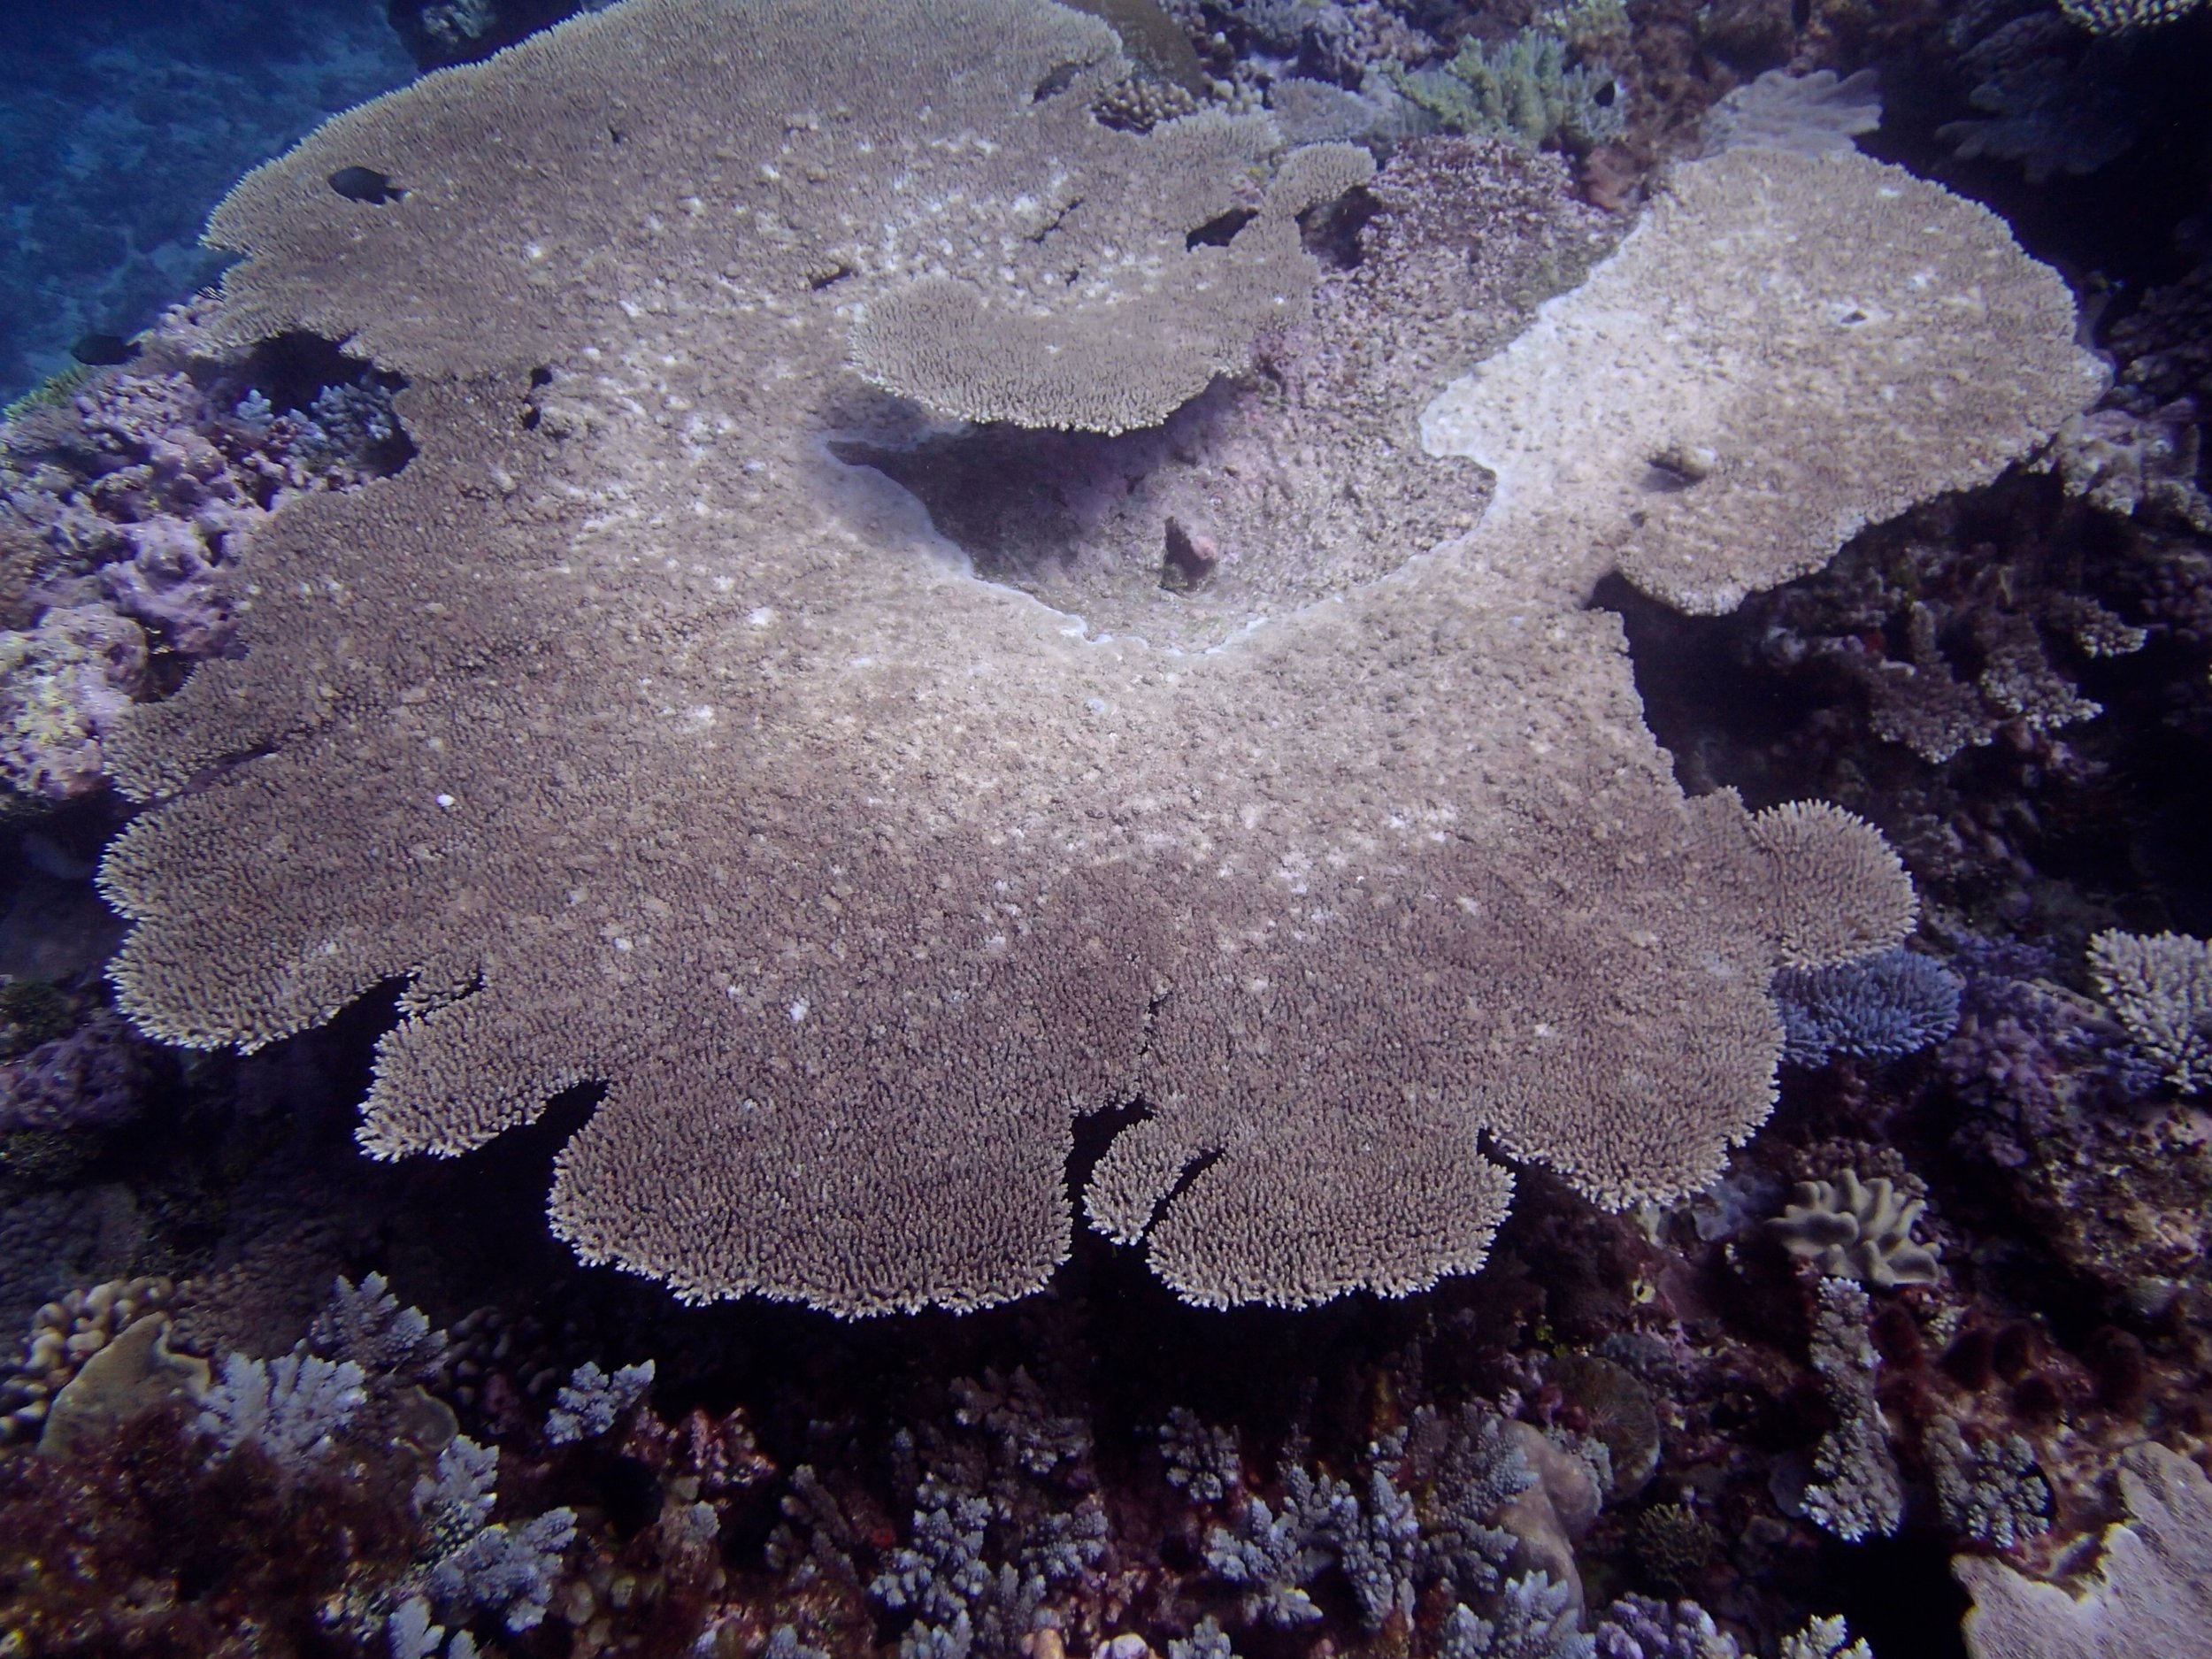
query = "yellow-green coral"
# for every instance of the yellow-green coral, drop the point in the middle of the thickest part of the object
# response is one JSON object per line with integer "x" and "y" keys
{"x": 1522, "y": 88}
{"x": 2118, "y": 17}
{"x": 50, "y": 392}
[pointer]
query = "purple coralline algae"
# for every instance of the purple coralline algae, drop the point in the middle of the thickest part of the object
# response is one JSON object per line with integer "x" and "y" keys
{"x": 2031, "y": 1057}
{"x": 124, "y": 504}
{"x": 94, "y": 1078}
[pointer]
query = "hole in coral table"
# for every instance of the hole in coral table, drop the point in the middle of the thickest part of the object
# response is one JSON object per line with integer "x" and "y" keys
{"x": 1069, "y": 518}
{"x": 365, "y": 185}
{"x": 1219, "y": 232}
{"x": 1062, "y": 77}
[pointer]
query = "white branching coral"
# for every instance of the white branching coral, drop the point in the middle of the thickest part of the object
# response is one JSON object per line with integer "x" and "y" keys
{"x": 656, "y": 745}
{"x": 293, "y": 1407}
{"x": 1859, "y": 1493}
{"x": 479, "y": 1566}
{"x": 367, "y": 1324}
{"x": 2160, "y": 988}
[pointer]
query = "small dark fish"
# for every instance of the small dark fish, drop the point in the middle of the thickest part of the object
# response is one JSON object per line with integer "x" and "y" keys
{"x": 365, "y": 184}
{"x": 102, "y": 351}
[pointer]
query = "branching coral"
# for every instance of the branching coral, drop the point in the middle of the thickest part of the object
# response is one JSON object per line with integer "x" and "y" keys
{"x": 1639, "y": 1627}
{"x": 1203, "y": 1460}
{"x": 1275, "y": 1551}
{"x": 1536, "y": 1619}
{"x": 1877, "y": 1009}
{"x": 292, "y": 1408}
{"x": 592, "y": 1400}
{"x": 1859, "y": 1494}
{"x": 1464, "y": 1469}
{"x": 653, "y": 746}
{"x": 2160, "y": 988}
{"x": 1824, "y": 1639}
{"x": 367, "y": 1324}
{"x": 1522, "y": 88}
{"x": 1988, "y": 1489}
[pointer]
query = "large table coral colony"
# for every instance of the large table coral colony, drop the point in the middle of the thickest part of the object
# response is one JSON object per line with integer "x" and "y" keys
{"x": 657, "y": 748}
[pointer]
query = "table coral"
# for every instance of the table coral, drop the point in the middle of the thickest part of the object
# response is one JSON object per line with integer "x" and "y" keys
{"x": 2152, "y": 1592}
{"x": 654, "y": 746}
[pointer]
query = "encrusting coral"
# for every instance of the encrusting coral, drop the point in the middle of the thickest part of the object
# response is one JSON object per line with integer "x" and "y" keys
{"x": 654, "y": 746}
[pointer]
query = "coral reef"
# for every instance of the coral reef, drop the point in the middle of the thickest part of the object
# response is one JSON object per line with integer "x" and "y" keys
{"x": 2160, "y": 988}
{"x": 320, "y": 1453}
{"x": 1858, "y": 1492}
{"x": 1302, "y": 1182}
{"x": 1857, "y": 1230}
{"x": 94, "y": 1077}
{"x": 1877, "y": 1009}
{"x": 2150, "y": 1591}
{"x": 125, "y": 507}
{"x": 63, "y": 683}
{"x": 845, "y": 842}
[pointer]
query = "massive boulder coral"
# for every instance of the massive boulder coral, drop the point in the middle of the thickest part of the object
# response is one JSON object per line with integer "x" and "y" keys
{"x": 655, "y": 748}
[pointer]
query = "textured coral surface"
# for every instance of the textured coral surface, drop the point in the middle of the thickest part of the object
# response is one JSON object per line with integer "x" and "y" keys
{"x": 669, "y": 756}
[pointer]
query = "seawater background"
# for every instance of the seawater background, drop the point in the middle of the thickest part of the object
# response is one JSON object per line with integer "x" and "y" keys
{"x": 123, "y": 123}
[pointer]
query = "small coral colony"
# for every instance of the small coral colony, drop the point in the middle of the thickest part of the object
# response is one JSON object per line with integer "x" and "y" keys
{"x": 1157, "y": 828}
